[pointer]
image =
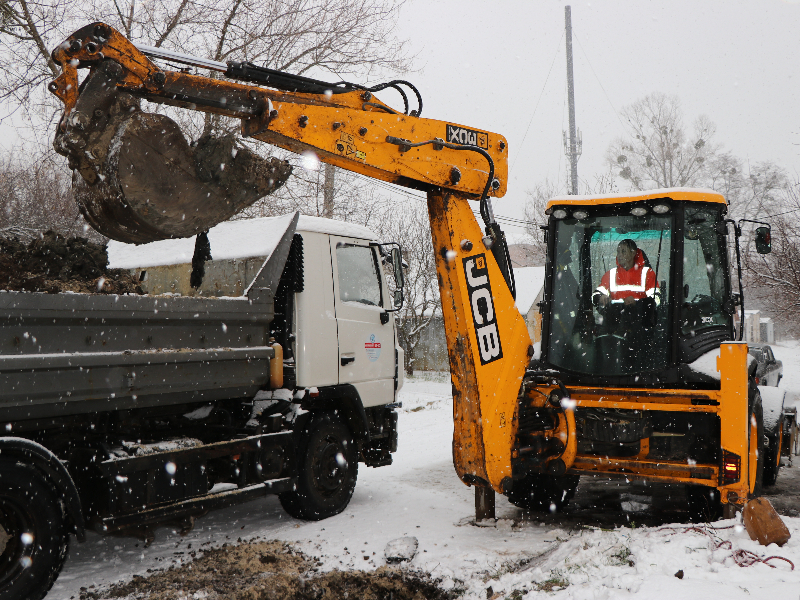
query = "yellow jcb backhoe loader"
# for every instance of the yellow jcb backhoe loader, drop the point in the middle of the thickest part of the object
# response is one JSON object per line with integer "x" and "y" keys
{"x": 648, "y": 388}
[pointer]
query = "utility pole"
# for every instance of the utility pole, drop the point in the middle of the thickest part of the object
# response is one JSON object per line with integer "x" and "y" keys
{"x": 327, "y": 198}
{"x": 573, "y": 145}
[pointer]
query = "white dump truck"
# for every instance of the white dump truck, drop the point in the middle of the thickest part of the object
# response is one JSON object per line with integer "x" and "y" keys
{"x": 277, "y": 374}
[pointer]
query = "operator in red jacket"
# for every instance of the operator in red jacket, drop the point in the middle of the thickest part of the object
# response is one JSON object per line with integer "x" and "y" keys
{"x": 629, "y": 281}
{"x": 626, "y": 300}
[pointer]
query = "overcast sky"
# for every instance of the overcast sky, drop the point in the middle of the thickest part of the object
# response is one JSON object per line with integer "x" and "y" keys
{"x": 501, "y": 66}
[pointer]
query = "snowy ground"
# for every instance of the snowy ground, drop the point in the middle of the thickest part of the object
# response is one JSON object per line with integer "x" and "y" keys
{"x": 617, "y": 540}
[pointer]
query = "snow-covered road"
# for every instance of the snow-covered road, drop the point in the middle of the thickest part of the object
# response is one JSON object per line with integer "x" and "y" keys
{"x": 524, "y": 556}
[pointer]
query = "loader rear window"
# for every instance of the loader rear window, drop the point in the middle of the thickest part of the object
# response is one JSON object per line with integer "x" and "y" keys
{"x": 359, "y": 279}
{"x": 603, "y": 321}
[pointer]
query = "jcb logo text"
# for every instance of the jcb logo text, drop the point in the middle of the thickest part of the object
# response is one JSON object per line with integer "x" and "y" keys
{"x": 483, "y": 316}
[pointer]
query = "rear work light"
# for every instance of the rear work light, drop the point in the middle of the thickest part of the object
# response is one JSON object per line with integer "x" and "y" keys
{"x": 731, "y": 467}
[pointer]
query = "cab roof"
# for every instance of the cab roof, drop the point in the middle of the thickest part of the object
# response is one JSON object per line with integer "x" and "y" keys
{"x": 690, "y": 194}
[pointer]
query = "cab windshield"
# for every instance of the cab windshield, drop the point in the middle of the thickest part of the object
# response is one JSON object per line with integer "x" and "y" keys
{"x": 609, "y": 296}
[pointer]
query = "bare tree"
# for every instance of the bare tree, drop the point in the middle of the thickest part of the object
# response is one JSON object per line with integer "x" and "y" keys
{"x": 357, "y": 199}
{"x": 535, "y": 205}
{"x": 658, "y": 152}
{"x": 775, "y": 277}
{"x": 28, "y": 29}
{"x": 36, "y": 195}
{"x": 331, "y": 39}
{"x": 410, "y": 227}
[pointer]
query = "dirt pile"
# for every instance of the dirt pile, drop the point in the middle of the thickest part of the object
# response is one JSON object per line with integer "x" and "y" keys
{"x": 54, "y": 263}
{"x": 268, "y": 571}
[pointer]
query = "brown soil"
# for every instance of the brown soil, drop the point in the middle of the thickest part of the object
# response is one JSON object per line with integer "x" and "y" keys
{"x": 268, "y": 571}
{"x": 56, "y": 264}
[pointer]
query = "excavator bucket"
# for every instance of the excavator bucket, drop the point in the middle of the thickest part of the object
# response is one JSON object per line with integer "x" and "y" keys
{"x": 136, "y": 178}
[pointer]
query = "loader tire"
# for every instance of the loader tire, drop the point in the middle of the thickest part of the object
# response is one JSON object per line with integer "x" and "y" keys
{"x": 33, "y": 533}
{"x": 547, "y": 493}
{"x": 327, "y": 461}
{"x": 756, "y": 449}
{"x": 772, "y": 457}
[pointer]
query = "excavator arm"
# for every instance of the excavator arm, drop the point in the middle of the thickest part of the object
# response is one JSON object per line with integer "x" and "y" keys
{"x": 137, "y": 179}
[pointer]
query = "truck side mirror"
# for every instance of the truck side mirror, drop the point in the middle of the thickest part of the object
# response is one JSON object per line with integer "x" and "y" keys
{"x": 399, "y": 278}
{"x": 397, "y": 263}
{"x": 763, "y": 240}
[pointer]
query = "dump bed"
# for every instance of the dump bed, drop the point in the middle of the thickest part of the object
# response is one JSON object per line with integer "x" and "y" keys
{"x": 67, "y": 354}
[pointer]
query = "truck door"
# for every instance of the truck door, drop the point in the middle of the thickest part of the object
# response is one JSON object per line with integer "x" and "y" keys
{"x": 366, "y": 345}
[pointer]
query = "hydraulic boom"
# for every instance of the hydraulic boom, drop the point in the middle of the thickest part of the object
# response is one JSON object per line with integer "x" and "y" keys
{"x": 138, "y": 179}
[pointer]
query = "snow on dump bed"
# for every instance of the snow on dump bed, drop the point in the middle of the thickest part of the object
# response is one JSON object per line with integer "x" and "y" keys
{"x": 233, "y": 239}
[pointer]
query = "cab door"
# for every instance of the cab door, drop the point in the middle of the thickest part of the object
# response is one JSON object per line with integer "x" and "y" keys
{"x": 365, "y": 329}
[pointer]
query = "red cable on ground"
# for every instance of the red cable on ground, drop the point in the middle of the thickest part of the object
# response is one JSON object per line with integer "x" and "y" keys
{"x": 743, "y": 558}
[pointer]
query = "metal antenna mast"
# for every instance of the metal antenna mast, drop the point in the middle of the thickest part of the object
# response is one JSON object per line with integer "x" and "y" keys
{"x": 573, "y": 145}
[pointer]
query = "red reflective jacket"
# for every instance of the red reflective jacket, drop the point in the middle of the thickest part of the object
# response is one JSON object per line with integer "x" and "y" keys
{"x": 637, "y": 282}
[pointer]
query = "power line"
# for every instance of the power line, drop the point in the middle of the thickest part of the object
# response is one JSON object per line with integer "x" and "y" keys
{"x": 600, "y": 83}
{"x": 510, "y": 221}
{"x": 781, "y": 214}
{"x": 558, "y": 51}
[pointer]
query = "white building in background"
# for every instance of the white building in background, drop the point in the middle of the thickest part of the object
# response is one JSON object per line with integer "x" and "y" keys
{"x": 758, "y": 329}
{"x": 530, "y": 291}
{"x": 766, "y": 330}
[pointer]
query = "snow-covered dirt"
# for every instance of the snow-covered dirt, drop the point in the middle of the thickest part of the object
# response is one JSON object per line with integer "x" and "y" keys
{"x": 616, "y": 540}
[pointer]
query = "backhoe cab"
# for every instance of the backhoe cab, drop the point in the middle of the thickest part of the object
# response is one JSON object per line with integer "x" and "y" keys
{"x": 637, "y": 375}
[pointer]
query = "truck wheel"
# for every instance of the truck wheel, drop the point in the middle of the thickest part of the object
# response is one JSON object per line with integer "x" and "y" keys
{"x": 772, "y": 457}
{"x": 33, "y": 534}
{"x": 543, "y": 492}
{"x": 756, "y": 450}
{"x": 705, "y": 505}
{"x": 328, "y": 467}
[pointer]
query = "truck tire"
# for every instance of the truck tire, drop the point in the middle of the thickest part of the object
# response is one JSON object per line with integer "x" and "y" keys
{"x": 705, "y": 504}
{"x": 543, "y": 492}
{"x": 756, "y": 448}
{"x": 327, "y": 461}
{"x": 772, "y": 456}
{"x": 34, "y": 537}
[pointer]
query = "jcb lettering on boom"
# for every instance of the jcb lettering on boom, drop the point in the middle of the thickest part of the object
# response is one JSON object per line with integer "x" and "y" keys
{"x": 467, "y": 137}
{"x": 484, "y": 317}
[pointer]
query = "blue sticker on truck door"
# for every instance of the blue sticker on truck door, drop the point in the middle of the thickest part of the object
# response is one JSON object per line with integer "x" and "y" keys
{"x": 373, "y": 347}
{"x": 484, "y": 318}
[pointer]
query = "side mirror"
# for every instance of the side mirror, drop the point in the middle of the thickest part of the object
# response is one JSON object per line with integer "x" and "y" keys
{"x": 396, "y": 257}
{"x": 763, "y": 240}
{"x": 397, "y": 263}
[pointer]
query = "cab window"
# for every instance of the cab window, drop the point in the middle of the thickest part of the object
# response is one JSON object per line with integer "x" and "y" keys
{"x": 610, "y": 336}
{"x": 359, "y": 276}
{"x": 704, "y": 281}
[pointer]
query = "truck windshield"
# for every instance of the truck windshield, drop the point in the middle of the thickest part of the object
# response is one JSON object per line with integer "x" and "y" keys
{"x": 608, "y": 296}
